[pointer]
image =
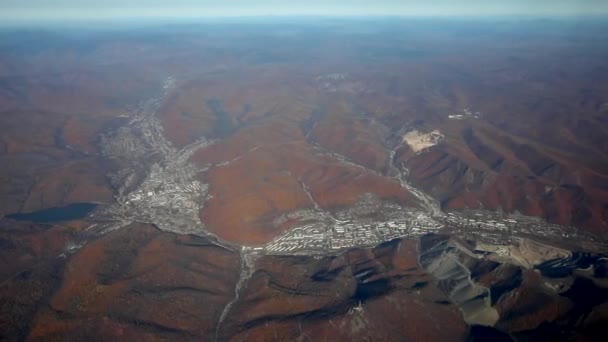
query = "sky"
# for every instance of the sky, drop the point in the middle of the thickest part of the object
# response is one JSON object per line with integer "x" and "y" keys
{"x": 36, "y": 10}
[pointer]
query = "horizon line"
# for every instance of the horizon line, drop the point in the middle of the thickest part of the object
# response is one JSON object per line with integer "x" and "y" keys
{"x": 7, "y": 20}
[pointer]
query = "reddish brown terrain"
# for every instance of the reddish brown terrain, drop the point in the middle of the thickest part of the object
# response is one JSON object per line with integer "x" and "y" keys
{"x": 301, "y": 117}
{"x": 338, "y": 298}
{"x": 272, "y": 179}
{"x": 145, "y": 284}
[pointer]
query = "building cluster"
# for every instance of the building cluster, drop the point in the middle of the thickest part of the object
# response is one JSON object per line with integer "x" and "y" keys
{"x": 466, "y": 114}
{"x": 159, "y": 183}
{"x": 499, "y": 228}
{"x": 339, "y": 82}
{"x": 322, "y": 237}
{"x": 496, "y": 228}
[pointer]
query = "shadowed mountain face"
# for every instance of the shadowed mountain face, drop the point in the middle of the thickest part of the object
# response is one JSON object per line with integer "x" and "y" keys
{"x": 142, "y": 283}
{"x": 324, "y": 180}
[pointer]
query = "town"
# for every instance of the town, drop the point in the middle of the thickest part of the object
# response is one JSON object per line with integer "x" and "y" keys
{"x": 481, "y": 225}
{"x": 318, "y": 237}
{"x": 159, "y": 185}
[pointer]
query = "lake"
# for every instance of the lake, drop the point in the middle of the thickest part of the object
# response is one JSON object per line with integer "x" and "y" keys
{"x": 69, "y": 212}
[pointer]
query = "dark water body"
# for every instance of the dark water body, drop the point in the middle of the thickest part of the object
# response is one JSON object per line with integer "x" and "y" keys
{"x": 56, "y": 214}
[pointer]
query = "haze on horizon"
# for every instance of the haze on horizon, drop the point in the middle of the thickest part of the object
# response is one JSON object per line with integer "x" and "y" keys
{"x": 62, "y": 10}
